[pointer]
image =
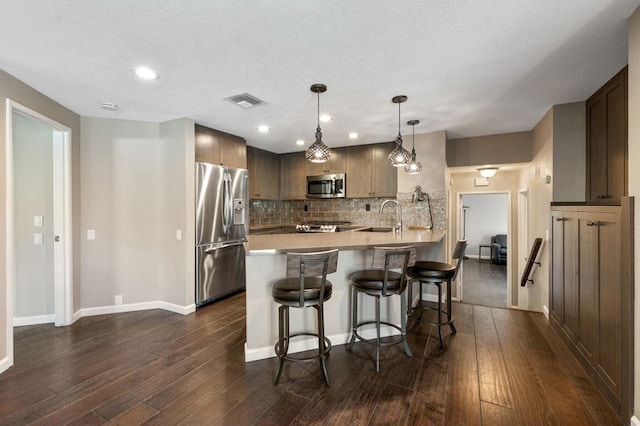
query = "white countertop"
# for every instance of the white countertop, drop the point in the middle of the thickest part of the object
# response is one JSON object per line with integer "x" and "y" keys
{"x": 348, "y": 240}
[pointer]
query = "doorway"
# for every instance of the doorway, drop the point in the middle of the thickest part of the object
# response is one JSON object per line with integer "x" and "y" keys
{"x": 38, "y": 219}
{"x": 485, "y": 222}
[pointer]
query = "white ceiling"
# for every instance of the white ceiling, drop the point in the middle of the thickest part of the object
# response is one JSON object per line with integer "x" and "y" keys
{"x": 468, "y": 67}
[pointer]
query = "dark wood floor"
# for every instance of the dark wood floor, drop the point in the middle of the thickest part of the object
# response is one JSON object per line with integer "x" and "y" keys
{"x": 484, "y": 283}
{"x": 503, "y": 367}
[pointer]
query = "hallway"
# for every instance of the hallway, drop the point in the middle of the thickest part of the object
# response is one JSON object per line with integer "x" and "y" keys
{"x": 485, "y": 284}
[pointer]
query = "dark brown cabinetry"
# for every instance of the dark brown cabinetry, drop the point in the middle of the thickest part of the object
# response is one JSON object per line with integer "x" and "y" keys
{"x": 369, "y": 173}
{"x": 264, "y": 173}
{"x": 590, "y": 292}
{"x": 293, "y": 176}
{"x": 214, "y": 146}
{"x": 336, "y": 163}
{"x": 607, "y": 142}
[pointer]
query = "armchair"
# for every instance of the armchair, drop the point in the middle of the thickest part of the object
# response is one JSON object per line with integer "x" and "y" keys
{"x": 499, "y": 244}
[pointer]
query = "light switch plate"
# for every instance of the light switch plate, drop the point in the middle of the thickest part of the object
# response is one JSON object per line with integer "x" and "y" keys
{"x": 91, "y": 234}
{"x": 178, "y": 234}
{"x": 37, "y": 221}
{"x": 37, "y": 238}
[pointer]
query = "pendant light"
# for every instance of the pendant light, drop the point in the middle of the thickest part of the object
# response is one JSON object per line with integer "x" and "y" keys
{"x": 399, "y": 157}
{"x": 318, "y": 152}
{"x": 414, "y": 166}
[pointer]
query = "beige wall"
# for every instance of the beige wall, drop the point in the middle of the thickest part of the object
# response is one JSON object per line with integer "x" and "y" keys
{"x": 634, "y": 179}
{"x": 177, "y": 257}
{"x": 539, "y": 194}
{"x": 430, "y": 151}
{"x": 569, "y": 152}
{"x": 493, "y": 149}
{"x": 137, "y": 191}
{"x": 25, "y": 95}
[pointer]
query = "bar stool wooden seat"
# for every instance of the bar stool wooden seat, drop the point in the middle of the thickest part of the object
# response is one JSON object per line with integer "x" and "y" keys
{"x": 382, "y": 281}
{"x": 436, "y": 273}
{"x": 305, "y": 285}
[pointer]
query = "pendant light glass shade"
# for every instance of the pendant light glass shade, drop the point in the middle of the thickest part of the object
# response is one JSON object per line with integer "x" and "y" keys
{"x": 318, "y": 152}
{"x": 399, "y": 157}
{"x": 414, "y": 166}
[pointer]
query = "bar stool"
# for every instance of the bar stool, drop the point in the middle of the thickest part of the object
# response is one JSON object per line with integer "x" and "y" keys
{"x": 382, "y": 281}
{"x": 305, "y": 285}
{"x": 435, "y": 273}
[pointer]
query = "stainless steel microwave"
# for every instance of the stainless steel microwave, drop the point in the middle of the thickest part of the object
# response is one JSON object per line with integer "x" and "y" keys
{"x": 326, "y": 186}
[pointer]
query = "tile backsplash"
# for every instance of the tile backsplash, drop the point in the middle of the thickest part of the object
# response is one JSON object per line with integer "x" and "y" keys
{"x": 354, "y": 210}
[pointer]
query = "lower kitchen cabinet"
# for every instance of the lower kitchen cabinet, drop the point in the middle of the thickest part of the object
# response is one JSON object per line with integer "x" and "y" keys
{"x": 591, "y": 296}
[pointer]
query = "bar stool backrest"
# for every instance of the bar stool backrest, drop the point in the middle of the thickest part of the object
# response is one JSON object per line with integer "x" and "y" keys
{"x": 317, "y": 264}
{"x": 388, "y": 258}
{"x": 458, "y": 254}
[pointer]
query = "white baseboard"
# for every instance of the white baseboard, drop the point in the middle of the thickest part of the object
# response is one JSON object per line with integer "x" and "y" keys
{"x": 131, "y": 307}
{"x": 635, "y": 421}
{"x": 545, "y": 311}
{"x": 5, "y": 363}
{"x": 310, "y": 343}
{"x": 36, "y": 319}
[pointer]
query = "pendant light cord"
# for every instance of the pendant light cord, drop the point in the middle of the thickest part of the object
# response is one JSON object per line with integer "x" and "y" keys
{"x": 398, "y": 118}
{"x": 413, "y": 137}
{"x": 318, "y": 116}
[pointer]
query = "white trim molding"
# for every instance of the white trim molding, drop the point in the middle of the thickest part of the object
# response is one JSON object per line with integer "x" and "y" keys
{"x": 132, "y": 307}
{"x": 5, "y": 363}
{"x": 635, "y": 421}
{"x": 33, "y": 320}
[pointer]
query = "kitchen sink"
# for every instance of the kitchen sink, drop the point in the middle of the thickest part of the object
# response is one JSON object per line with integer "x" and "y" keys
{"x": 372, "y": 229}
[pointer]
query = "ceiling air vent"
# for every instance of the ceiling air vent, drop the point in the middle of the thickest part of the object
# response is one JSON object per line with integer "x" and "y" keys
{"x": 244, "y": 100}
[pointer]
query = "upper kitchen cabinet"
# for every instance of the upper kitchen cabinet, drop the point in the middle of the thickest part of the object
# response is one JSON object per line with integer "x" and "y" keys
{"x": 293, "y": 176}
{"x": 264, "y": 172}
{"x": 214, "y": 146}
{"x": 369, "y": 173}
{"x": 336, "y": 163}
{"x": 607, "y": 142}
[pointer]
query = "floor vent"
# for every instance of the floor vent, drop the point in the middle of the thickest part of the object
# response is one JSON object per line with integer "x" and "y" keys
{"x": 245, "y": 100}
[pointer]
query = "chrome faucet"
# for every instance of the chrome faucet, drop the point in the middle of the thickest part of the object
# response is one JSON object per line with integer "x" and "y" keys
{"x": 398, "y": 227}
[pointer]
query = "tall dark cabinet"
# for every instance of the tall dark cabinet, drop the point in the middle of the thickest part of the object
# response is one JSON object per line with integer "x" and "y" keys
{"x": 607, "y": 142}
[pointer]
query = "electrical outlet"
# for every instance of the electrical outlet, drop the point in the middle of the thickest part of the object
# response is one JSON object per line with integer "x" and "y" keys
{"x": 367, "y": 207}
{"x": 37, "y": 221}
{"x": 306, "y": 208}
{"x": 91, "y": 234}
{"x": 178, "y": 234}
{"x": 118, "y": 299}
{"x": 37, "y": 238}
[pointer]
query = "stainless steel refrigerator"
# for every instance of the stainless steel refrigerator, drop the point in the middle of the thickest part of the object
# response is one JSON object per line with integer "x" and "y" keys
{"x": 221, "y": 227}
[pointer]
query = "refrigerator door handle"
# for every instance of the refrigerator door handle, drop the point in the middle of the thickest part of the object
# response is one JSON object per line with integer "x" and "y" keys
{"x": 221, "y": 246}
{"x": 227, "y": 207}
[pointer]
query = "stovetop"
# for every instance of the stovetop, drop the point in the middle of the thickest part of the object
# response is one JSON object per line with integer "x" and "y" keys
{"x": 321, "y": 226}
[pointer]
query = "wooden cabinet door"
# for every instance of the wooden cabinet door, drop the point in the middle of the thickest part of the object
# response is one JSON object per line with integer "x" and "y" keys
{"x": 293, "y": 176}
{"x": 384, "y": 177}
{"x": 609, "y": 326}
{"x": 557, "y": 267}
{"x": 587, "y": 333}
{"x": 570, "y": 276}
{"x": 607, "y": 123}
{"x": 233, "y": 152}
{"x": 358, "y": 171}
{"x": 336, "y": 164}
{"x": 207, "y": 145}
{"x": 264, "y": 174}
{"x": 216, "y": 147}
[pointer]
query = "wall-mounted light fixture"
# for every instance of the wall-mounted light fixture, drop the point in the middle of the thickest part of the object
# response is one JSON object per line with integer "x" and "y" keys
{"x": 488, "y": 172}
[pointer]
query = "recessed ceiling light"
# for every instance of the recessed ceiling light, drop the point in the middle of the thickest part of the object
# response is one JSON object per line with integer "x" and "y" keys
{"x": 263, "y": 128}
{"x": 145, "y": 73}
{"x": 109, "y": 106}
{"x": 353, "y": 135}
{"x": 299, "y": 142}
{"x": 324, "y": 118}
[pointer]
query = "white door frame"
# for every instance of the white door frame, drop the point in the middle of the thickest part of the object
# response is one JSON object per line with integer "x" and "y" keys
{"x": 510, "y": 251}
{"x": 62, "y": 227}
{"x": 523, "y": 244}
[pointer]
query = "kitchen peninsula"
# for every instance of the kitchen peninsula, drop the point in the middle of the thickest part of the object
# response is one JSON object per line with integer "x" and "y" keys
{"x": 266, "y": 262}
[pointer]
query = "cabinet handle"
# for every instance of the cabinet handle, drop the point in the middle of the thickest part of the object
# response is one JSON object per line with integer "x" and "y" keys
{"x": 559, "y": 219}
{"x": 602, "y": 196}
{"x": 596, "y": 223}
